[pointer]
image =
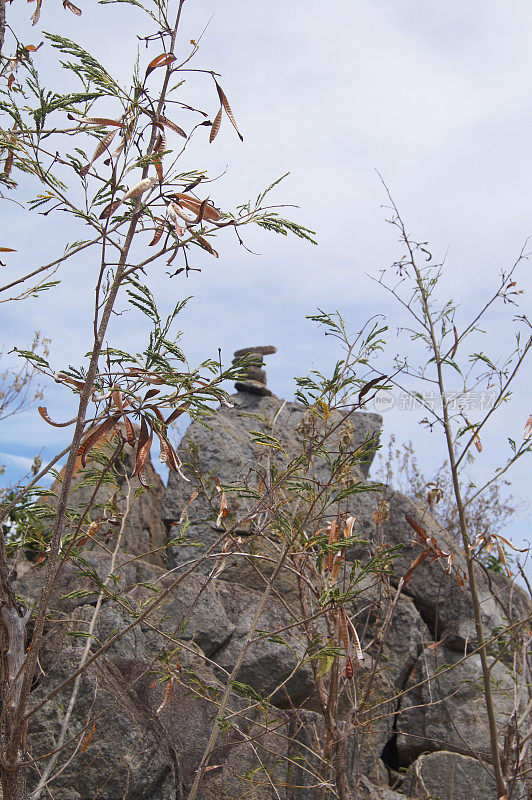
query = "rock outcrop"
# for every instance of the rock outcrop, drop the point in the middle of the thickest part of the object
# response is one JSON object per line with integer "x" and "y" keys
{"x": 145, "y": 710}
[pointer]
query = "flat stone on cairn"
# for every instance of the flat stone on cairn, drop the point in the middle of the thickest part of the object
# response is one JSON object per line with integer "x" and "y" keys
{"x": 254, "y": 378}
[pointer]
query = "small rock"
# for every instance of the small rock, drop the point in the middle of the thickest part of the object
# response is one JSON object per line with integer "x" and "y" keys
{"x": 255, "y": 387}
{"x": 263, "y": 350}
{"x": 256, "y": 374}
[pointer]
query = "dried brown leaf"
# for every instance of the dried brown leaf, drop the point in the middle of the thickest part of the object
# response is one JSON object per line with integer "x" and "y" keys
{"x": 61, "y": 378}
{"x": 104, "y": 121}
{"x": 110, "y": 209}
{"x": 88, "y": 737}
{"x": 102, "y": 146}
{"x": 502, "y": 558}
{"x": 158, "y": 232}
{"x": 205, "y": 245}
{"x": 365, "y": 389}
{"x": 216, "y": 126}
{"x": 159, "y": 147}
{"x": 116, "y": 397}
{"x": 37, "y": 13}
{"x": 8, "y": 163}
{"x": 161, "y": 61}
{"x": 507, "y": 542}
{"x": 93, "y": 438}
{"x": 206, "y": 209}
{"x": 166, "y": 696}
{"x": 348, "y": 528}
{"x": 130, "y": 432}
{"x": 172, "y": 126}
{"x": 334, "y": 535}
{"x": 223, "y": 508}
{"x": 44, "y": 414}
{"x": 455, "y": 346}
{"x": 348, "y": 668}
{"x": 143, "y": 449}
{"x": 338, "y": 561}
{"x": 71, "y": 7}
{"x": 225, "y": 104}
{"x": 419, "y": 560}
{"x": 177, "y": 413}
{"x": 149, "y": 394}
{"x": 344, "y": 638}
{"x": 421, "y": 532}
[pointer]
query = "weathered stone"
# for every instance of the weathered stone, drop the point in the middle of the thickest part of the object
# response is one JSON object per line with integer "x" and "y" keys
{"x": 190, "y": 612}
{"x": 257, "y": 750}
{"x": 125, "y": 755}
{"x": 253, "y": 379}
{"x": 75, "y": 585}
{"x": 407, "y": 635}
{"x": 374, "y": 718}
{"x": 267, "y": 663}
{"x": 447, "y": 709}
{"x": 255, "y": 374}
{"x": 446, "y": 609}
{"x": 253, "y": 387}
{"x": 263, "y": 350}
{"x": 150, "y": 734}
{"x": 368, "y": 791}
{"x": 225, "y": 450}
{"x": 144, "y": 531}
{"x": 147, "y": 743}
{"x": 450, "y": 776}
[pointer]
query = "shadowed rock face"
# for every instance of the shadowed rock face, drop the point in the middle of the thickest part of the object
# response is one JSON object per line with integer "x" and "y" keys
{"x": 146, "y": 742}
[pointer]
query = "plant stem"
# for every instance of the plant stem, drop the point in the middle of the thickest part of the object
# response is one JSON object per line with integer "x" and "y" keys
{"x": 486, "y": 676}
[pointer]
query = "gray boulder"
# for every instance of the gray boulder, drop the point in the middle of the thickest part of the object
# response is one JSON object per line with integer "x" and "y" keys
{"x": 451, "y": 776}
{"x": 224, "y": 451}
{"x": 121, "y": 749}
{"x": 137, "y": 737}
{"x": 407, "y": 634}
{"x": 444, "y": 606}
{"x": 190, "y": 613}
{"x": 446, "y": 710}
{"x": 369, "y": 791}
{"x": 79, "y": 580}
{"x": 269, "y": 662}
{"x": 144, "y": 532}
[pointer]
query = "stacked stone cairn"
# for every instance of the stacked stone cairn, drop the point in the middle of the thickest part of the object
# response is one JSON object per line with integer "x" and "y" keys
{"x": 253, "y": 376}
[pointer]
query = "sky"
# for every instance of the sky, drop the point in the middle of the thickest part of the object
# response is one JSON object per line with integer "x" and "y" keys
{"x": 434, "y": 97}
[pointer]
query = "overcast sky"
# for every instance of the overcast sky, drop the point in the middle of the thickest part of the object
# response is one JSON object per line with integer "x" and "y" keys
{"x": 435, "y": 96}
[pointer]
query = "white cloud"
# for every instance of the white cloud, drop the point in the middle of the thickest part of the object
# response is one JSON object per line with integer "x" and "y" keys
{"x": 434, "y": 95}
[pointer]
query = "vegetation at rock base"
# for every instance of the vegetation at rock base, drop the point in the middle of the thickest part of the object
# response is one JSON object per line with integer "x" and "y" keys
{"x": 273, "y": 624}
